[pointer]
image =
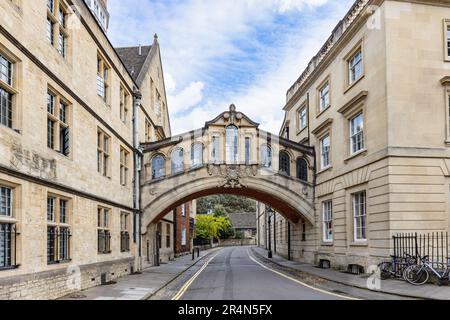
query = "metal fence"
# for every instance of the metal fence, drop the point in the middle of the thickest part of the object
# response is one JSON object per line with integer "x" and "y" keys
{"x": 435, "y": 245}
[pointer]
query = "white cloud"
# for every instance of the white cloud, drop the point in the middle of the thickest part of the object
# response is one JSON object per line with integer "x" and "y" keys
{"x": 201, "y": 39}
{"x": 287, "y": 5}
{"x": 189, "y": 97}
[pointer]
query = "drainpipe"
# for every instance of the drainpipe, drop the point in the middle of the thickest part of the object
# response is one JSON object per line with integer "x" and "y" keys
{"x": 137, "y": 96}
{"x": 274, "y": 232}
{"x": 289, "y": 241}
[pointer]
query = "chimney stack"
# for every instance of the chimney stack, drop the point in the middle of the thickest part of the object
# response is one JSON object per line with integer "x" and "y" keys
{"x": 140, "y": 50}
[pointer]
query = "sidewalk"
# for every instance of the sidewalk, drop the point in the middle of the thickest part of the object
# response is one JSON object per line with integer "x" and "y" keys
{"x": 141, "y": 286}
{"x": 396, "y": 287}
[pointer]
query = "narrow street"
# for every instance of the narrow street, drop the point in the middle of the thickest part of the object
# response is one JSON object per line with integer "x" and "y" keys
{"x": 235, "y": 274}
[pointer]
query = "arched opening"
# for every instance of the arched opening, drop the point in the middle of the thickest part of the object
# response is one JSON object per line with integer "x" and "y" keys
{"x": 177, "y": 161}
{"x": 197, "y": 155}
{"x": 302, "y": 169}
{"x": 158, "y": 167}
{"x": 266, "y": 156}
{"x": 285, "y": 163}
{"x": 232, "y": 154}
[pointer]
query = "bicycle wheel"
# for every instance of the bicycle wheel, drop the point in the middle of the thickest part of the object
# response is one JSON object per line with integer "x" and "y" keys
{"x": 416, "y": 275}
{"x": 386, "y": 270}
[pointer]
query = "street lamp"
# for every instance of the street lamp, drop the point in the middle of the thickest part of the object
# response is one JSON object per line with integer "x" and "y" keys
{"x": 270, "y": 240}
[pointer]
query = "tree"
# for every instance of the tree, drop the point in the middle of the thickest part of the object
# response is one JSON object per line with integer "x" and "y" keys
{"x": 210, "y": 226}
{"x": 230, "y": 204}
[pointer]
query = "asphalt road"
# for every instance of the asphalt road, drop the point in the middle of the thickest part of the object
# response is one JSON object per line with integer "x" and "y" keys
{"x": 233, "y": 275}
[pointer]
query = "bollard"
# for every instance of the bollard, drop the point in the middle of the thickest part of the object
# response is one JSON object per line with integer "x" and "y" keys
{"x": 198, "y": 252}
{"x": 193, "y": 254}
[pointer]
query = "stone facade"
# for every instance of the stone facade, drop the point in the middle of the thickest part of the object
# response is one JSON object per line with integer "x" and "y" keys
{"x": 183, "y": 228}
{"x": 397, "y": 93}
{"x": 53, "y": 182}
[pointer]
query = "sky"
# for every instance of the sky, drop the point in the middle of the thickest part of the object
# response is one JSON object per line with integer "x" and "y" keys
{"x": 219, "y": 52}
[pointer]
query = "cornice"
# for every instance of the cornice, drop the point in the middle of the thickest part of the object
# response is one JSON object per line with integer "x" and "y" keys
{"x": 354, "y": 101}
{"x": 445, "y": 81}
{"x": 322, "y": 126}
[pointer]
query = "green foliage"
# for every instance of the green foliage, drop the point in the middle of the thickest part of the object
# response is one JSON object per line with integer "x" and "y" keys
{"x": 239, "y": 235}
{"x": 229, "y": 203}
{"x": 210, "y": 226}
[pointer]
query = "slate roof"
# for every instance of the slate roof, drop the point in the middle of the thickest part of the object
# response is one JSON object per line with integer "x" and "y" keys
{"x": 243, "y": 220}
{"x": 132, "y": 60}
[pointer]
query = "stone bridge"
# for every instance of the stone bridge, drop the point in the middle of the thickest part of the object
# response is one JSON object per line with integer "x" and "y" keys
{"x": 229, "y": 155}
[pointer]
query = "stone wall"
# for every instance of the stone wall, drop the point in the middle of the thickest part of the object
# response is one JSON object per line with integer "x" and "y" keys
{"x": 63, "y": 281}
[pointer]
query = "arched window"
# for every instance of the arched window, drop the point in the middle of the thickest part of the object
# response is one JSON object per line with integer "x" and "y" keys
{"x": 158, "y": 167}
{"x": 302, "y": 169}
{"x": 177, "y": 161}
{"x": 266, "y": 157}
{"x": 197, "y": 154}
{"x": 232, "y": 144}
{"x": 285, "y": 163}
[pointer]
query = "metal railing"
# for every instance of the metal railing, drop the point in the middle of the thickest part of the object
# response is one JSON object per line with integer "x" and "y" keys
{"x": 435, "y": 245}
{"x": 8, "y": 251}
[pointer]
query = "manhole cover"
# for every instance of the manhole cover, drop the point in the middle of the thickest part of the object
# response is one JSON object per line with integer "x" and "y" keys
{"x": 77, "y": 296}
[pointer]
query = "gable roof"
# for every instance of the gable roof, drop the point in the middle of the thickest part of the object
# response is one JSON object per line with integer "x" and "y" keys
{"x": 243, "y": 220}
{"x": 133, "y": 60}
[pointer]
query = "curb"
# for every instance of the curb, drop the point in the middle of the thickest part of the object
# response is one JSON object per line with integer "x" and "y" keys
{"x": 151, "y": 294}
{"x": 340, "y": 282}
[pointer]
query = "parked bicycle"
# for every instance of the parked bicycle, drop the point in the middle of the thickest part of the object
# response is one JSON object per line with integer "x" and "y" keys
{"x": 396, "y": 267}
{"x": 420, "y": 274}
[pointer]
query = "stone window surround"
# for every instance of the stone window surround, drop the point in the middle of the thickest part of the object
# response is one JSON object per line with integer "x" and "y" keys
{"x": 59, "y": 123}
{"x": 124, "y": 105}
{"x": 303, "y": 106}
{"x": 57, "y": 28}
{"x": 14, "y": 219}
{"x": 148, "y": 130}
{"x": 319, "y": 88}
{"x": 350, "y": 219}
{"x": 352, "y": 108}
{"x": 321, "y": 131}
{"x": 102, "y": 67}
{"x": 124, "y": 166}
{"x": 105, "y": 227}
{"x": 446, "y": 26}
{"x": 57, "y": 224}
{"x": 326, "y": 199}
{"x": 358, "y": 46}
{"x": 102, "y": 153}
{"x": 13, "y": 89}
{"x": 124, "y": 230}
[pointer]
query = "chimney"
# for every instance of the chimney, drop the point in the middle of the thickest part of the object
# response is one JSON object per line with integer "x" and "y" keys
{"x": 140, "y": 50}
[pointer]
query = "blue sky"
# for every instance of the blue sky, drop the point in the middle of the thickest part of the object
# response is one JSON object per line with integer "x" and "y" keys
{"x": 218, "y": 52}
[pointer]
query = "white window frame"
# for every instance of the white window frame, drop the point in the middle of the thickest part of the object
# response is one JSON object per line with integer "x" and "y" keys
{"x": 327, "y": 216}
{"x": 8, "y": 206}
{"x": 359, "y": 213}
{"x": 326, "y": 152}
{"x": 324, "y": 96}
{"x": 352, "y": 64}
{"x": 357, "y": 142}
{"x": 302, "y": 118}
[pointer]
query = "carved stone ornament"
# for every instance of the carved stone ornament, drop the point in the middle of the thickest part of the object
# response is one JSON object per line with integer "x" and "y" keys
{"x": 232, "y": 174}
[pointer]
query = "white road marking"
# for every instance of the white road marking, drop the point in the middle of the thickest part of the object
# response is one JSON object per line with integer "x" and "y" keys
{"x": 186, "y": 286}
{"x": 298, "y": 281}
